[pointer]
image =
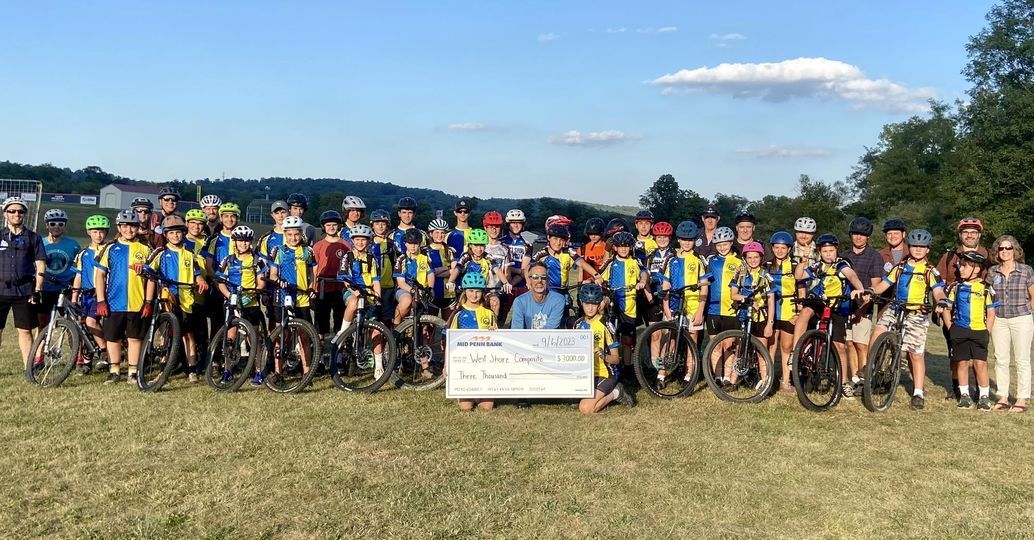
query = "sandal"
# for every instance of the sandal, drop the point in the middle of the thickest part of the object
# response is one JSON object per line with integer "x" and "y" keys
{"x": 1018, "y": 409}
{"x": 1000, "y": 406}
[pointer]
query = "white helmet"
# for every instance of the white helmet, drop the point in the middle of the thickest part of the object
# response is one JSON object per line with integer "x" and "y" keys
{"x": 55, "y": 214}
{"x": 243, "y": 232}
{"x": 15, "y": 200}
{"x": 210, "y": 200}
{"x": 723, "y": 234}
{"x": 360, "y": 230}
{"x": 438, "y": 224}
{"x": 805, "y": 224}
{"x": 515, "y": 215}
{"x": 292, "y": 222}
{"x": 352, "y": 202}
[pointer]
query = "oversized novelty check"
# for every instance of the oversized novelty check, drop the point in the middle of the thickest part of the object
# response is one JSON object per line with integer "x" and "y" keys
{"x": 509, "y": 364}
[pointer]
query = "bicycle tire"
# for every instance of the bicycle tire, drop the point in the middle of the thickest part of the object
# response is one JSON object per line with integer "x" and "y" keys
{"x": 217, "y": 357}
{"x": 344, "y": 362}
{"x": 55, "y": 364}
{"x": 804, "y": 380}
{"x": 408, "y": 371}
{"x": 162, "y": 359}
{"x": 274, "y": 380}
{"x": 765, "y": 383}
{"x": 882, "y": 373}
{"x": 674, "y": 363}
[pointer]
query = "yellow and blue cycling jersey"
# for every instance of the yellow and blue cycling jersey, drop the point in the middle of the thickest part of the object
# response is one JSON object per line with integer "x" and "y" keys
{"x": 754, "y": 281}
{"x": 480, "y": 318}
{"x": 269, "y": 241}
{"x": 359, "y": 268}
{"x": 827, "y": 280}
{"x": 644, "y": 246}
{"x": 181, "y": 265}
{"x": 416, "y": 268}
{"x": 558, "y": 264}
{"x": 784, "y": 286}
{"x": 969, "y": 303}
{"x": 622, "y": 274}
{"x": 297, "y": 266}
{"x": 383, "y": 249}
{"x": 722, "y": 271}
{"x": 440, "y": 257}
{"x": 85, "y": 264}
{"x": 913, "y": 280}
{"x": 654, "y": 263}
{"x": 125, "y": 288}
{"x": 467, "y": 264}
{"x": 218, "y": 248}
{"x": 457, "y": 239}
{"x": 399, "y": 233}
{"x": 681, "y": 270}
{"x": 243, "y": 270}
{"x": 602, "y": 343}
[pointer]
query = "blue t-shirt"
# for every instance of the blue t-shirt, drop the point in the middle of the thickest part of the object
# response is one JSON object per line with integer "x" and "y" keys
{"x": 60, "y": 259}
{"x": 528, "y": 314}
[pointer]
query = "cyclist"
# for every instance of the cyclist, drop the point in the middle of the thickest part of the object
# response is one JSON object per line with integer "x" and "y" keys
{"x": 458, "y": 237}
{"x": 217, "y": 248}
{"x": 275, "y": 237}
{"x": 21, "y": 273}
{"x": 651, "y": 311}
{"x": 605, "y": 354}
{"x": 406, "y": 212}
{"x": 868, "y": 264}
{"x": 472, "y": 314}
{"x": 519, "y": 247}
{"x": 353, "y": 209}
{"x": 61, "y": 251}
{"x": 645, "y": 244}
{"x": 359, "y": 267}
{"x": 559, "y": 258}
{"x": 804, "y": 246}
{"x": 440, "y": 256}
{"x": 913, "y": 279}
{"x": 594, "y": 250}
{"x": 210, "y": 206}
{"x": 969, "y": 321}
{"x": 705, "y": 243}
{"x": 97, "y": 227}
{"x": 245, "y": 269}
{"x": 168, "y": 197}
{"x": 894, "y": 230}
{"x": 120, "y": 294}
{"x": 196, "y": 224}
{"x": 297, "y": 204}
{"x": 294, "y": 264}
{"x": 780, "y": 269}
{"x": 751, "y": 278}
{"x": 722, "y": 268}
{"x": 144, "y": 208}
{"x": 746, "y": 224}
{"x": 177, "y": 263}
{"x": 382, "y": 246}
{"x": 679, "y": 269}
{"x": 499, "y": 255}
{"x": 625, "y": 277}
{"x": 413, "y": 265}
{"x": 475, "y": 259}
{"x": 329, "y": 250}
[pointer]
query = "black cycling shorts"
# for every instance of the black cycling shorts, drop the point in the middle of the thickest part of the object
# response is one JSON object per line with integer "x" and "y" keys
{"x": 24, "y": 312}
{"x": 967, "y": 344}
{"x": 122, "y": 324}
{"x": 716, "y": 324}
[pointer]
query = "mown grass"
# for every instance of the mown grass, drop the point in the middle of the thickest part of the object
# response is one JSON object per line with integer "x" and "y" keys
{"x": 87, "y": 460}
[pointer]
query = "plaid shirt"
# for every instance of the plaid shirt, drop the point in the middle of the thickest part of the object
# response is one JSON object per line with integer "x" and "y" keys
{"x": 1013, "y": 296}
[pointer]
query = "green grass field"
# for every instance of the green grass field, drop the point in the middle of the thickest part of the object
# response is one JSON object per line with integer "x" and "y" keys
{"x": 87, "y": 460}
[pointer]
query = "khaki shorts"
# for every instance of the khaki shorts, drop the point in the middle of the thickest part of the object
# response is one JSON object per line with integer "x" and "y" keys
{"x": 916, "y": 325}
{"x": 861, "y": 331}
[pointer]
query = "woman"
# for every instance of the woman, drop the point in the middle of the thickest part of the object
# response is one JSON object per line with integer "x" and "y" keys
{"x": 1013, "y": 282}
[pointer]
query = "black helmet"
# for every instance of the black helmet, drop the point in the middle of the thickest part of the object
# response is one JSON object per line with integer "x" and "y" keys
{"x": 615, "y": 226}
{"x": 894, "y": 224}
{"x": 331, "y": 216}
{"x": 559, "y": 231}
{"x": 860, "y": 225}
{"x": 827, "y": 240}
{"x": 594, "y": 226}
{"x": 590, "y": 293}
{"x": 623, "y": 239}
{"x": 169, "y": 190}
{"x": 412, "y": 236}
{"x": 974, "y": 257}
{"x": 297, "y": 199}
{"x": 407, "y": 203}
{"x": 644, "y": 214}
{"x": 745, "y": 216}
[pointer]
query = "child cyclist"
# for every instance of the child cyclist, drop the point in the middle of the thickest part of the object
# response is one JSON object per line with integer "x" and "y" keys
{"x": 780, "y": 269}
{"x": 294, "y": 264}
{"x": 97, "y": 228}
{"x": 247, "y": 271}
{"x": 475, "y": 260}
{"x": 177, "y": 263}
{"x": 499, "y": 255}
{"x": 605, "y": 354}
{"x": 624, "y": 276}
{"x": 752, "y": 282}
{"x": 120, "y": 294}
{"x": 440, "y": 255}
{"x": 359, "y": 267}
{"x": 969, "y": 321}
{"x": 472, "y": 314}
{"x": 683, "y": 268}
{"x": 913, "y": 279}
{"x": 382, "y": 245}
{"x": 722, "y": 268}
{"x": 413, "y": 266}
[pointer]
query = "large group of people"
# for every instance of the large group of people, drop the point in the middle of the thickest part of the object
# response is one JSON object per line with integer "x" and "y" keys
{"x": 492, "y": 276}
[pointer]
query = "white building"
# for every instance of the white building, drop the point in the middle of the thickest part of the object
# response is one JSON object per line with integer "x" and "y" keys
{"x": 120, "y": 196}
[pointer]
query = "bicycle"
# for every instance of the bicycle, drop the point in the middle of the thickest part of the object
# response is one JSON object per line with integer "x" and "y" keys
{"x": 163, "y": 343}
{"x": 815, "y": 363}
{"x": 679, "y": 357}
{"x": 420, "y": 344}
{"x": 232, "y": 360}
{"x": 752, "y": 370}
{"x": 883, "y": 365}
{"x": 54, "y": 352}
{"x": 293, "y": 351}
{"x": 353, "y": 366}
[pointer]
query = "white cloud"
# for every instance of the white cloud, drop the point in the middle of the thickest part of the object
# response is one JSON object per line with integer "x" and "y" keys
{"x": 468, "y": 126}
{"x": 665, "y": 29}
{"x": 799, "y": 78}
{"x": 773, "y": 151}
{"x": 620, "y": 30}
{"x": 593, "y": 138}
{"x": 548, "y": 37}
{"x": 735, "y": 36}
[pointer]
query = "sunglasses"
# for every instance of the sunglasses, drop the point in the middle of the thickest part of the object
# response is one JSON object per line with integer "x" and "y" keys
{"x": 463, "y": 211}
{"x": 142, "y": 211}
{"x": 169, "y": 199}
{"x": 16, "y": 212}
{"x": 56, "y": 224}
{"x": 537, "y": 277}
{"x": 1005, "y": 248}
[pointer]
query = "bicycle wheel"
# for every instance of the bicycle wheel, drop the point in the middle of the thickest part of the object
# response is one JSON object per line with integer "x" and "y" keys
{"x": 355, "y": 368}
{"x": 742, "y": 374}
{"x": 293, "y": 367}
{"x": 232, "y": 361}
{"x": 665, "y": 348}
{"x": 52, "y": 355}
{"x": 420, "y": 368}
{"x": 160, "y": 354}
{"x": 815, "y": 371}
{"x": 882, "y": 373}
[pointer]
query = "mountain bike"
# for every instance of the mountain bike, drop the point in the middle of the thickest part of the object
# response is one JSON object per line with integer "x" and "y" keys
{"x": 162, "y": 348}
{"x": 883, "y": 366}
{"x": 420, "y": 343}
{"x": 815, "y": 363}
{"x": 353, "y": 365}
{"x": 675, "y": 372}
{"x": 54, "y": 352}
{"x": 293, "y": 351}
{"x": 745, "y": 363}
{"x": 235, "y": 348}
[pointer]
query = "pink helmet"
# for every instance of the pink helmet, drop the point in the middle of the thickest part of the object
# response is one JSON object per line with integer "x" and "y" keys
{"x": 557, "y": 220}
{"x": 754, "y": 247}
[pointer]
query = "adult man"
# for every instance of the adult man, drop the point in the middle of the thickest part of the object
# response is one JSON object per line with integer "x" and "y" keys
{"x": 274, "y": 238}
{"x": 868, "y": 264}
{"x": 143, "y": 208}
{"x": 61, "y": 252}
{"x": 894, "y": 231}
{"x": 210, "y": 206}
{"x": 705, "y": 243}
{"x": 297, "y": 205}
{"x": 22, "y": 264}
{"x": 745, "y": 225}
{"x": 457, "y": 238}
{"x": 168, "y": 197}
{"x": 970, "y": 230}
{"x": 539, "y": 308}
{"x": 804, "y": 241}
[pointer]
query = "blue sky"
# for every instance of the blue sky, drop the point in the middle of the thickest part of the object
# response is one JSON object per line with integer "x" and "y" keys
{"x": 588, "y": 100}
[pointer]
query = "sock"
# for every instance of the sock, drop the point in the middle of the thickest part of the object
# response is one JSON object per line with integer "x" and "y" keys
{"x": 856, "y": 379}
{"x": 615, "y": 394}
{"x": 985, "y": 391}
{"x": 378, "y": 362}
{"x": 113, "y": 368}
{"x": 132, "y": 370}
{"x": 345, "y": 325}
{"x": 963, "y": 390}
{"x": 918, "y": 392}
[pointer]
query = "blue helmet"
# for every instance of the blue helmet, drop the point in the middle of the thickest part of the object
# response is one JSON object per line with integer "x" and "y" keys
{"x": 590, "y": 293}
{"x": 920, "y": 238}
{"x": 687, "y": 230}
{"x": 379, "y": 215}
{"x": 781, "y": 237}
{"x": 474, "y": 280}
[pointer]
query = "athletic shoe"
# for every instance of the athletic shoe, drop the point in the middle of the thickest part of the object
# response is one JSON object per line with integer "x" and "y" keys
{"x": 133, "y": 378}
{"x": 965, "y": 402}
{"x": 848, "y": 389}
{"x": 257, "y": 380}
{"x": 858, "y": 387}
{"x": 377, "y": 372}
{"x": 918, "y": 403}
{"x": 662, "y": 383}
{"x": 985, "y": 403}
{"x": 624, "y": 396}
{"x": 112, "y": 378}
{"x": 192, "y": 377}
{"x": 226, "y": 378}
{"x": 84, "y": 370}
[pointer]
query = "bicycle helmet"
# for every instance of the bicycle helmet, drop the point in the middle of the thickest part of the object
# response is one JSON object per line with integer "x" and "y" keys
{"x": 974, "y": 257}
{"x": 805, "y": 224}
{"x": 142, "y": 202}
{"x": 352, "y": 202}
{"x": 473, "y": 280}
{"x": 169, "y": 191}
{"x": 331, "y": 216}
{"x": 662, "y": 228}
{"x": 860, "y": 225}
{"x": 380, "y": 214}
{"x": 556, "y": 219}
{"x": 594, "y": 226}
{"x": 644, "y": 215}
{"x": 477, "y": 237}
{"x": 970, "y": 223}
{"x": 687, "y": 230}
{"x": 358, "y": 231}
{"x": 894, "y": 224}
{"x": 196, "y": 215}
{"x": 590, "y": 293}
{"x": 781, "y": 237}
{"x": 623, "y": 239}
{"x": 55, "y": 214}
{"x": 297, "y": 199}
{"x": 407, "y": 203}
{"x": 97, "y": 222}
{"x": 559, "y": 231}
{"x": 827, "y": 240}
{"x": 515, "y": 215}
{"x": 127, "y": 217}
{"x": 754, "y": 247}
{"x": 492, "y": 218}
{"x": 438, "y": 224}
{"x": 174, "y": 223}
{"x": 745, "y": 217}
{"x": 242, "y": 232}
{"x": 210, "y": 200}
{"x": 230, "y": 208}
{"x": 723, "y": 234}
{"x": 292, "y": 222}
{"x": 15, "y": 200}
{"x": 920, "y": 238}
{"x": 412, "y": 236}
{"x": 615, "y": 226}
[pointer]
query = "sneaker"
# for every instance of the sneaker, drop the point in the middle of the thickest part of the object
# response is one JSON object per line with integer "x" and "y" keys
{"x": 858, "y": 387}
{"x": 192, "y": 377}
{"x": 112, "y": 378}
{"x": 133, "y": 379}
{"x": 85, "y": 369}
{"x": 985, "y": 403}
{"x": 965, "y": 402}
{"x": 522, "y": 404}
{"x": 625, "y": 397}
{"x": 377, "y": 372}
{"x": 848, "y": 389}
{"x": 918, "y": 403}
{"x": 257, "y": 380}
{"x": 226, "y": 378}
{"x": 661, "y": 383}
{"x": 426, "y": 375}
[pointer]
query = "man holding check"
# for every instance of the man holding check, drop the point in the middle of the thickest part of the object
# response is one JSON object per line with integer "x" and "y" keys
{"x": 538, "y": 309}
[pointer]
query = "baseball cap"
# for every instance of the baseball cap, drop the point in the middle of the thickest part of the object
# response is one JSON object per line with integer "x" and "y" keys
{"x": 462, "y": 204}
{"x": 711, "y": 210}
{"x": 278, "y": 205}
